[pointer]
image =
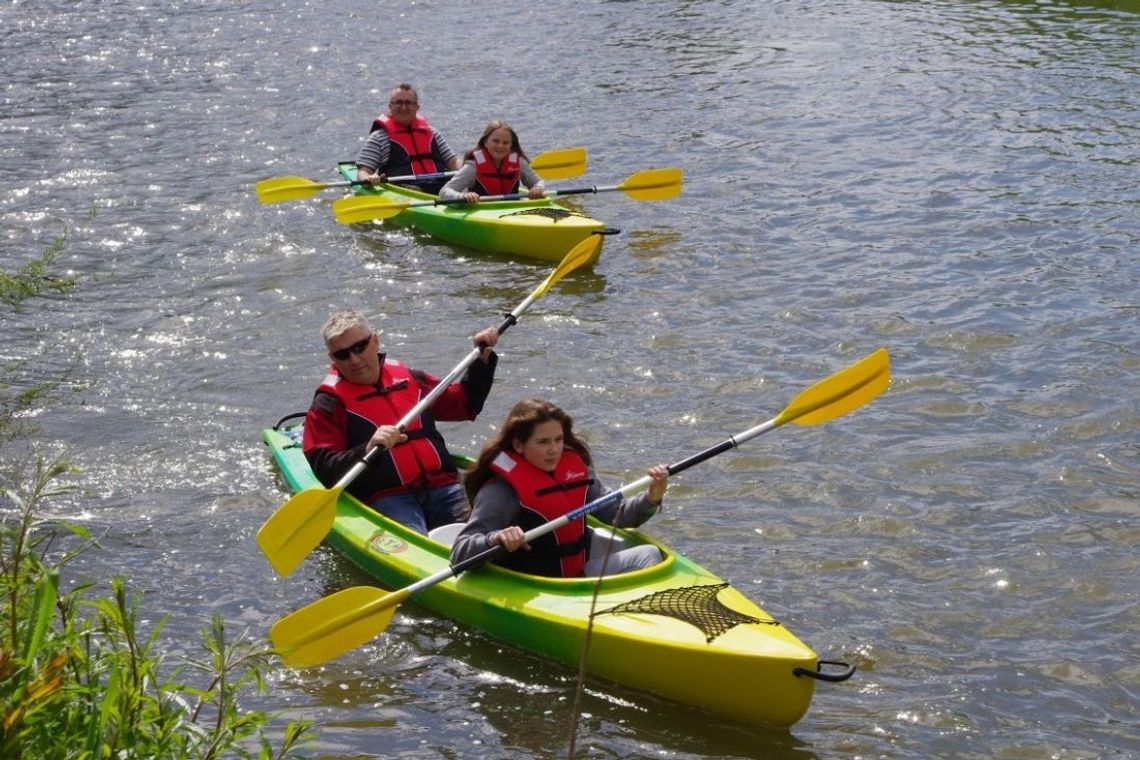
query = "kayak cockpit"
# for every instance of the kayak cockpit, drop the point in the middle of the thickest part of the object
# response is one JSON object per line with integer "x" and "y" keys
{"x": 599, "y": 537}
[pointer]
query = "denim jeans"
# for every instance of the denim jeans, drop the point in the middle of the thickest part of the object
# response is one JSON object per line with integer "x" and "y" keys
{"x": 423, "y": 510}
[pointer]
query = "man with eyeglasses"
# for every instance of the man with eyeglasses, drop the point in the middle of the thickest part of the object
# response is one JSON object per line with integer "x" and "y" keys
{"x": 402, "y": 142}
{"x": 357, "y": 406}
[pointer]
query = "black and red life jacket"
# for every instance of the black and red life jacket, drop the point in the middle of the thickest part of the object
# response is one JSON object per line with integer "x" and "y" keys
{"x": 544, "y": 497}
{"x": 411, "y": 463}
{"x": 410, "y": 145}
{"x": 492, "y": 180}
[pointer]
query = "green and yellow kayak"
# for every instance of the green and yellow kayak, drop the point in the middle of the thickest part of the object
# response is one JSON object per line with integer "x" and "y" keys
{"x": 535, "y": 229}
{"x": 675, "y": 629}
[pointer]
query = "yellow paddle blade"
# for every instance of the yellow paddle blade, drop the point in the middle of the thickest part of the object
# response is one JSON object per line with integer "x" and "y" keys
{"x": 584, "y": 253}
{"x": 840, "y": 393}
{"x": 281, "y": 189}
{"x": 653, "y": 184}
{"x": 295, "y": 529}
{"x": 332, "y": 626}
{"x": 357, "y": 209}
{"x": 560, "y": 164}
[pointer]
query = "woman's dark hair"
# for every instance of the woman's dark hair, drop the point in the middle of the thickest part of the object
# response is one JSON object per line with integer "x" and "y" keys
{"x": 521, "y": 421}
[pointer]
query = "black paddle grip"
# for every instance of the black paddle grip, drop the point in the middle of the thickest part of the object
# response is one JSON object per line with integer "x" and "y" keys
{"x": 511, "y": 319}
{"x": 480, "y": 558}
{"x": 708, "y": 453}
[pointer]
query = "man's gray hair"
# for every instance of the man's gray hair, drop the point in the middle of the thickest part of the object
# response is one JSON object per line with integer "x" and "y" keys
{"x": 341, "y": 322}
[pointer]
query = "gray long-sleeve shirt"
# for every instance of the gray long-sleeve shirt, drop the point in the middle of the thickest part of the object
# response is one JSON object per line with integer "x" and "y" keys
{"x": 464, "y": 180}
{"x": 497, "y": 505}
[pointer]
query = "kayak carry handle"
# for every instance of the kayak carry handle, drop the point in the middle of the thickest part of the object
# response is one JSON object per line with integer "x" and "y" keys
{"x": 277, "y": 425}
{"x": 819, "y": 675}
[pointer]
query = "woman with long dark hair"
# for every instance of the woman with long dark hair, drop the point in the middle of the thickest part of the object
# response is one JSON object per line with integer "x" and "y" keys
{"x": 535, "y": 470}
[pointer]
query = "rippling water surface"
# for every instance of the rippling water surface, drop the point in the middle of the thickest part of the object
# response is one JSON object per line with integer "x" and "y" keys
{"x": 955, "y": 181}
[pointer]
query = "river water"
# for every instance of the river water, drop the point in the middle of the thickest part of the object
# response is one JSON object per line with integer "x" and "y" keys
{"x": 958, "y": 182}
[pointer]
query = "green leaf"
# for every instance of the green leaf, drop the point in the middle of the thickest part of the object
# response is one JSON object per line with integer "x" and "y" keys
{"x": 47, "y": 592}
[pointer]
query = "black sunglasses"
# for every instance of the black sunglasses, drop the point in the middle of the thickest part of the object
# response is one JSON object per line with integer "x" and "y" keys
{"x": 356, "y": 348}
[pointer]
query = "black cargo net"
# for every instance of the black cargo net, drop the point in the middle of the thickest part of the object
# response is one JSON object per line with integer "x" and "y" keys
{"x": 695, "y": 605}
{"x": 554, "y": 214}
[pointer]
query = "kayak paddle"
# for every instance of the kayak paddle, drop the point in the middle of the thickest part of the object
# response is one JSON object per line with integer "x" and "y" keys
{"x": 560, "y": 164}
{"x": 647, "y": 185}
{"x": 299, "y": 524}
{"x": 553, "y": 164}
{"x": 335, "y": 624}
{"x": 281, "y": 189}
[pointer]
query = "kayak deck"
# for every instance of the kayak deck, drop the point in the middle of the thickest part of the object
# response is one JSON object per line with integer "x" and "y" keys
{"x": 674, "y": 629}
{"x": 536, "y": 229}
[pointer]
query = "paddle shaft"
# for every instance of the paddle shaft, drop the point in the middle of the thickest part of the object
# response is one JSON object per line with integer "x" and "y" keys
{"x": 521, "y": 196}
{"x": 557, "y": 159}
{"x": 390, "y": 180}
{"x": 427, "y": 400}
{"x": 616, "y": 496}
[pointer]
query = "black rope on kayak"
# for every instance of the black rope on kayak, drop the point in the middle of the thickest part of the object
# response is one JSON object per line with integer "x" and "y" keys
{"x": 696, "y": 605}
{"x": 554, "y": 214}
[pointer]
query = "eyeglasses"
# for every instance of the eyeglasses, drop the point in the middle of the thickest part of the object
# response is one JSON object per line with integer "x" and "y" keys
{"x": 356, "y": 348}
{"x": 402, "y": 103}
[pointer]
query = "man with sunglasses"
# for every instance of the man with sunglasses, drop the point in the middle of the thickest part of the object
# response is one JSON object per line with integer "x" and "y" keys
{"x": 402, "y": 142}
{"x": 357, "y": 406}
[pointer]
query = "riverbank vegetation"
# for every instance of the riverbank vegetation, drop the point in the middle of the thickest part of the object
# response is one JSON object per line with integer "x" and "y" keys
{"x": 81, "y": 674}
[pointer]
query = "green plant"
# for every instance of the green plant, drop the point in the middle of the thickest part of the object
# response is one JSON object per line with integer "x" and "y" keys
{"x": 79, "y": 680}
{"x": 17, "y": 391}
{"x": 34, "y": 277}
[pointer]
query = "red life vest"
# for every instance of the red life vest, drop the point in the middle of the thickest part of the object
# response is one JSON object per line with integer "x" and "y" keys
{"x": 370, "y": 406}
{"x": 490, "y": 180}
{"x": 413, "y": 140}
{"x": 544, "y": 497}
